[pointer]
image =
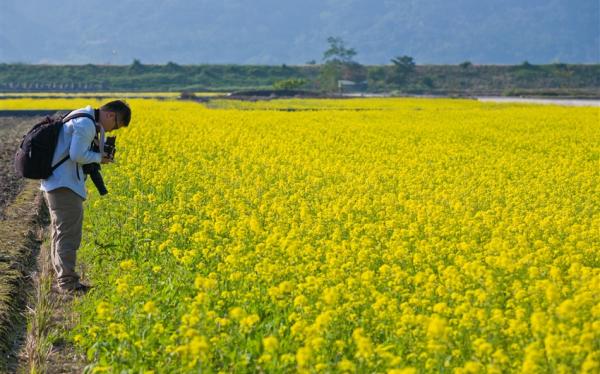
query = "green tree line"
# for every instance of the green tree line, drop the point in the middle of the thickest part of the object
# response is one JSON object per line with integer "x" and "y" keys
{"x": 402, "y": 75}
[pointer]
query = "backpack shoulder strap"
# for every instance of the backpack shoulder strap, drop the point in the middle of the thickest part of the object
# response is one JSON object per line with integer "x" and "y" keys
{"x": 65, "y": 120}
{"x": 59, "y": 163}
{"x": 78, "y": 115}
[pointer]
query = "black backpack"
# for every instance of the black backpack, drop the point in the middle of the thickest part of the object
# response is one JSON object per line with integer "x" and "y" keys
{"x": 33, "y": 158}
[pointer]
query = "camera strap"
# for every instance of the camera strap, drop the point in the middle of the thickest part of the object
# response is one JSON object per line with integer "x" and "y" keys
{"x": 101, "y": 139}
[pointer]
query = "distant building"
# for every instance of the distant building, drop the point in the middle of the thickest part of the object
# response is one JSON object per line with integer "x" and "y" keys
{"x": 345, "y": 86}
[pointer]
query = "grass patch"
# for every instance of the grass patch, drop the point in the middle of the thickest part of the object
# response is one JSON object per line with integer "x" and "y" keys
{"x": 40, "y": 324}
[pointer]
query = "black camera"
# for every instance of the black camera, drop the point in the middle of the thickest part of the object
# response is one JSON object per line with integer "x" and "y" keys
{"x": 93, "y": 169}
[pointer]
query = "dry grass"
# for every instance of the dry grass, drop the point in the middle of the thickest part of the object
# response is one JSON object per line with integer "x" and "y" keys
{"x": 50, "y": 315}
{"x": 38, "y": 347}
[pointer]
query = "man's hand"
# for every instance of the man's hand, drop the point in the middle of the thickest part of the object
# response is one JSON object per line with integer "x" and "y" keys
{"x": 106, "y": 159}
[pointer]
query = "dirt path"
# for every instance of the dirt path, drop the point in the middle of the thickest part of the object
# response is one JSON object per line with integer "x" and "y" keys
{"x": 26, "y": 292}
{"x": 11, "y": 133}
{"x": 20, "y": 233}
{"x": 18, "y": 240}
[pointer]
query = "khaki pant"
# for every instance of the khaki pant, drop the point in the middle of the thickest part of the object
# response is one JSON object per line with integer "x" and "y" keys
{"x": 66, "y": 215}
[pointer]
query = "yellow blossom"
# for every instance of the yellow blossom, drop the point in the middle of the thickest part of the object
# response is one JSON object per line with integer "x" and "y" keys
{"x": 270, "y": 343}
{"x": 150, "y": 307}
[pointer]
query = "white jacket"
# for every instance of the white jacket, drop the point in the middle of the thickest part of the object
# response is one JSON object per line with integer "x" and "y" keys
{"x": 74, "y": 140}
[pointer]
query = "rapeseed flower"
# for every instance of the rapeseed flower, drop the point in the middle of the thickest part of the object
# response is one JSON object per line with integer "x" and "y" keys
{"x": 400, "y": 234}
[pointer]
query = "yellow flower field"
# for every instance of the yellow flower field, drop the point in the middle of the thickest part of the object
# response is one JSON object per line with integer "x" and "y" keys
{"x": 350, "y": 236}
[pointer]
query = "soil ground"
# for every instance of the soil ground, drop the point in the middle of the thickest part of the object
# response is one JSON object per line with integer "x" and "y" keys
{"x": 23, "y": 226}
{"x": 11, "y": 133}
{"x": 17, "y": 242}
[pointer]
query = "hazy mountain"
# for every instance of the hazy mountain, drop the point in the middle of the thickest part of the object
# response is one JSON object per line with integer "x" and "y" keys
{"x": 293, "y": 32}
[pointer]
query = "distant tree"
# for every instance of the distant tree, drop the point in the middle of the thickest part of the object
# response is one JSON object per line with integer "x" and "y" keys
{"x": 171, "y": 66}
{"x": 402, "y": 67}
{"x": 337, "y": 50}
{"x": 329, "y": 74}
{"x": 136, "y": 65}
{"x": 339, "y": 65}
{"x": 289, "y": 84}
{"x": 353, "y": 71}
{"x": 465, "y": 65}
{"x": 427, "y": 82}
{"x": 527, "y": 65}
{"x": 376, "y": 76}
{"x": 404, "y": 63}
{"x": 377, "y": 73}
{"x": 311, "y": 62}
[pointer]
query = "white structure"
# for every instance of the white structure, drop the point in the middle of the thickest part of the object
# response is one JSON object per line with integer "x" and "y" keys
{"x": 342, "y": 83}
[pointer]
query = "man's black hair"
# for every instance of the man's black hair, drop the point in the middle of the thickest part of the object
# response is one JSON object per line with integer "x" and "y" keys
{"x": 122, "y": 110}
